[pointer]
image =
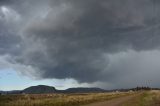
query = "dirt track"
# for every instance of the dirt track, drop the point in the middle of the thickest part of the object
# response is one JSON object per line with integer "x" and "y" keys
{"x": 114, "y": 102}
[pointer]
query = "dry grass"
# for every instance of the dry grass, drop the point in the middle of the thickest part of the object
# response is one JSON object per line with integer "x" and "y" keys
{"x": 57, "y": 99}
{"x": 155, "y": 98}
{"x": 146, "y": 98}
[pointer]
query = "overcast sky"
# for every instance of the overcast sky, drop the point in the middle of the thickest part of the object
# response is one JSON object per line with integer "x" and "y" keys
{"x": 103, "y": 43}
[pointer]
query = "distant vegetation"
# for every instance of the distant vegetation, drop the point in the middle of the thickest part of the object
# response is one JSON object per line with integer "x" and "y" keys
{"x": 141, "y": 88}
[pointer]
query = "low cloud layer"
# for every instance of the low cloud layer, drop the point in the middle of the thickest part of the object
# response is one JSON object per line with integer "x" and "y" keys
{"x": 109, "y": 41}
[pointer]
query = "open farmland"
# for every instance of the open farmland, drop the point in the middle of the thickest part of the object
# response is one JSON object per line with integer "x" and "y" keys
{"x": 140, "y": 98}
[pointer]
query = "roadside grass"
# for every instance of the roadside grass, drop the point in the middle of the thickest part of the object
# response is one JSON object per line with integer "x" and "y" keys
{"x": 57, "y": 99}
{"x": 146, "y": 98}
{"x": 156, "y": 98}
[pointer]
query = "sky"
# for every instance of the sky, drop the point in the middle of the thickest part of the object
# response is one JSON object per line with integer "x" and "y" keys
{"x": 108, "y": 44}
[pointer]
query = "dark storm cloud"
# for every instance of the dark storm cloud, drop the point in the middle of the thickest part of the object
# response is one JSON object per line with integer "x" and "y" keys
{"x": 9, "y": 39}
{"x": 5, "y": 1}
{"x": 9, "y": 44}
{"x": 90, "y": 40}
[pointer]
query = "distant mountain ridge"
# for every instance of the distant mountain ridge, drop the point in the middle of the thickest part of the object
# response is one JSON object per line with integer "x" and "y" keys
{"x": 83, "y": 90}
{"x": 11, "y": 92}
{"x": 40, "y": 89}
{"x": 43, "y": 89}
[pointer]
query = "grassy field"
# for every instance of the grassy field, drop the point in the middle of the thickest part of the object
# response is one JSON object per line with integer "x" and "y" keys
{"x": 147, "y": 98}
{"x": 57, "y": 99}
{"x": 150, "y": 98}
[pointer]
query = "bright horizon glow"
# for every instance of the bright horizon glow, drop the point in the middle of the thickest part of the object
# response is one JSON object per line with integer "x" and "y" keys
{"x": 11, "y": 80}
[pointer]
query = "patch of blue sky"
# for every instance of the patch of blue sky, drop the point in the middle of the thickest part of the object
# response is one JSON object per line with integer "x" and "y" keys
{"x": 12, "y": 80}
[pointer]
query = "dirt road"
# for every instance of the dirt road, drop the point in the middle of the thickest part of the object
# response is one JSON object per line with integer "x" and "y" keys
{"x": 114, "y": 102}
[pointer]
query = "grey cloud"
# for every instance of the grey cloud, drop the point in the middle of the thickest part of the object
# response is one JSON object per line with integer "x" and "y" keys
{"x": 5, "y": 1}
{"x": 75, "y": 39}
{"x": 10, "y": 42}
